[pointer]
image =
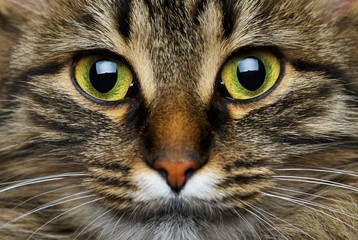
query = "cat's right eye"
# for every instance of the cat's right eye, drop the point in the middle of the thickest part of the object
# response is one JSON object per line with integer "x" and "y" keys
{"x": 103, "y": 78}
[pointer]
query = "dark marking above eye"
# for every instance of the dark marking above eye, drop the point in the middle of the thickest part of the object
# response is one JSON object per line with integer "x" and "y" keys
{"x": 229, "y": 14}
{"x": 86, "y": 20}
{"x": 103, "y": 75}
{"x": 123, "y": 17}
{"x": 199, "y": 10}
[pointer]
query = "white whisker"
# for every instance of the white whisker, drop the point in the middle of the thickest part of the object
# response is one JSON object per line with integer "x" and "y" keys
{"x": 92, "y": 222}
{"x": 31, "y": 181}
{"x": 315, "y": 181}
{"x": 280, "y": 219}
{"x": 48, "y": 205}
{"x": 117, "y": 222}
{"x": 304, "y": 205}
{"x": 44, "y": 193}
{"x": 108, "y": 225}
{"x": 315, "y": 196}
{"x": 248, "y": 223}
{"x": 269, "y": 224}
{"x": 319, "y": 205}
{"x": 324, "y": 170}
{"x": 71, "y": 209}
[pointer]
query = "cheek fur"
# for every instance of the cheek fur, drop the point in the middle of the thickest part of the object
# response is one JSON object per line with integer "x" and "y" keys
{"x": 284, "y": 166}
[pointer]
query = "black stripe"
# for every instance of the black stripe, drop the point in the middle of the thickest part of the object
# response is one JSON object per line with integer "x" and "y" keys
{"x": 331, "y": 71}
{"x": 66, "y": 108}
{"x": 199, "y": 10}
{"x": 6, "y": 25}
{"x": 18, "y": 84}
{"x": 116, "y": 199}
{"x": 40, "y": 146}
{"x": 123, "y": 17}
{"x": 22, "y": 152}
{"x": 50, "y": 68}
{"x": 229, "y": 13}
{"x": 86, "y": 20}
{"x": 252, "y": 164}
{"x": 244, "y": 164}
{"x": 114, "y": 182}
{"x": 6, "y": 114}
{"x": 245, "y": 197}
{"x": 68, "y": 143}
{"x": 242, "y": 180}
{"x": 294, "y": 140}
{"x": 150, "y": 8}
{"x": 112, "y": 167}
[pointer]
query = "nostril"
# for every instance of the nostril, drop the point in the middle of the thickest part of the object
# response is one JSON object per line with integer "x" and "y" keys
{"x": 163, "y": 172}
{"x": 176, "y": 172}
{"x": 188, "y": 173}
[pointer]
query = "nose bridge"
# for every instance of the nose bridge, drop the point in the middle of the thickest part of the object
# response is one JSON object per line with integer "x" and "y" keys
{"x": 175, "y": 127}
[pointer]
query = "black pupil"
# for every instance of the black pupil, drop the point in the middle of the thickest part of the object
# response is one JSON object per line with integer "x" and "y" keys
{"x": 251, "y": 73}
{"x": 103, "y": 75}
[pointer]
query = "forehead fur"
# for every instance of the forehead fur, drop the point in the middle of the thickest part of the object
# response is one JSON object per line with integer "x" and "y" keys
{"x": 174, "y": 43}
{"x": 186, "y": 28}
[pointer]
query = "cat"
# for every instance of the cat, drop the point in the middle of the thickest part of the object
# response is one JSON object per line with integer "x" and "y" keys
{"x": 153, "y": 119}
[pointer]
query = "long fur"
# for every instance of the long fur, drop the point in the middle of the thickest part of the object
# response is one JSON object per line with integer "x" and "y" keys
{"x": 282, "y": 167}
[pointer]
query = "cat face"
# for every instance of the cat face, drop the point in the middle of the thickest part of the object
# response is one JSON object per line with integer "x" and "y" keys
{"x": 177, "y": 119}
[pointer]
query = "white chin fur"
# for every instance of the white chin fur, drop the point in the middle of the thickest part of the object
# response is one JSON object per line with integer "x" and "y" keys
{"x": 152, "y": 186}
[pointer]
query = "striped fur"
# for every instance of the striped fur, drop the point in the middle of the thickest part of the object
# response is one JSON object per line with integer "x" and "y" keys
{"x": 282, "y": 167}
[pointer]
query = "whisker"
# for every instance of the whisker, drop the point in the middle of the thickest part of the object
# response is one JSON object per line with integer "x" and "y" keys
{"x": 117, "y": 222}
{"x": 315, "y": 196}
{"x": 47, "y": 192}
{"x": 315, "y": 181}
{"x": 280, "y": 219}
{"x": 319, "y": 205}
{"x": 92, "y": 222}
{"x": 263, "y": 220}
{"x": 47, "y": 205}
{"x": 105, "y": 228}
{"x": 26, "y": 182}
{"x": 71, "y": 209}
{"x": 248, "y": 223}
{"x": 324, "y": 170}
{"x": 304, "y": 205}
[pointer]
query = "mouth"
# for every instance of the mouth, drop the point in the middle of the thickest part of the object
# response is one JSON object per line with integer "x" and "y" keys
{"x": 177, "y": 208}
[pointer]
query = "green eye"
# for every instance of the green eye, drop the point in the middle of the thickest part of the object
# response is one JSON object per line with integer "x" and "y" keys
{"x": 106, "y": 79}
{"x": 251, "y": 74}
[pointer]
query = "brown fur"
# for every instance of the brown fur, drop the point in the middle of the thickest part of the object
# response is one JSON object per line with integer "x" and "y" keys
{"x": 284, "y": 166}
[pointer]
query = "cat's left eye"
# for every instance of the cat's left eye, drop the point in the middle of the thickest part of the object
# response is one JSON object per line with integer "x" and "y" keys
{"x": 103, "y": 78}
{"x": 250, "y": 74}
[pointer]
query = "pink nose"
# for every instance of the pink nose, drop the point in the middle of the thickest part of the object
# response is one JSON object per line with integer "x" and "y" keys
{"x": 176, "y": 172}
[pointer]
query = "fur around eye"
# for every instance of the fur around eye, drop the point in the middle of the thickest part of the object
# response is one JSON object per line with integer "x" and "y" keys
{"x": 251, "y": 74}
{"x": 105, "y": 79}
{"x": 178, "y": 120}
